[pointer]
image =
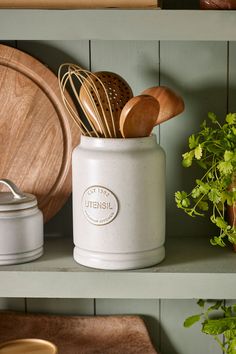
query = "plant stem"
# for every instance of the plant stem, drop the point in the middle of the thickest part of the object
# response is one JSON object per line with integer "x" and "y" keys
{"x": 220, "y": 344}
{"x": 211, "y": 168}
{"x": 199, "y": 200}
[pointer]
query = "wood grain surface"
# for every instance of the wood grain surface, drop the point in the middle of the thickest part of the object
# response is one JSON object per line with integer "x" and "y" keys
{"x": 171, "y": 103}
{"x": 79, "y": 4}
{"x": 139, "y": 116}
{"x": 30, "y": 345}
{"x": 36, "y": 134}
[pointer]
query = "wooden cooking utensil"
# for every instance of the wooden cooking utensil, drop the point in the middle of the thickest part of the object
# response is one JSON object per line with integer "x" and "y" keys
{"x": 118, "y": 91}
{"x": 79, "y": 4}
{"x": 71, "y": 77}
{"x": 37, "y": 135}
{"x": 139, "y": 116}
{"x": 28, "y": 346}
{"x": 171, "y": 104}
{"x": 96, "y": 104}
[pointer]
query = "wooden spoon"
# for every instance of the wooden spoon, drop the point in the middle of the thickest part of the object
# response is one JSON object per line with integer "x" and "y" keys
{"x": 139, "y": 116}
{"x": 118, "y": 92}
{"x": 171, "y": 104}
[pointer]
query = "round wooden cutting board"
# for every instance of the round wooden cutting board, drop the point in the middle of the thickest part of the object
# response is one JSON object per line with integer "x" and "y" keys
{"x": 36, "y": 134}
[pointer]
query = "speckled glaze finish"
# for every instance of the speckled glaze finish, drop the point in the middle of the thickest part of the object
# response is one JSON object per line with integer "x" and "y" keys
{"x": 119, "y": 202}
{"x": 21, "y": 226}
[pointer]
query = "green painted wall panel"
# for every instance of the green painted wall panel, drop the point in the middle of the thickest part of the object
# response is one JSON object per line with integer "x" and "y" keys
{"x": 12, "y": 304}
{"x": 175, "y": 339}
{"x": 198, "y": 72}
{"x": 136, "y": 61}
{"x": 232, "y": 77}
{"x": 74, "y": 307}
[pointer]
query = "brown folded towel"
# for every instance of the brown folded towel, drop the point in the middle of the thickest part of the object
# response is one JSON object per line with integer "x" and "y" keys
{"x": 80, "y": 334}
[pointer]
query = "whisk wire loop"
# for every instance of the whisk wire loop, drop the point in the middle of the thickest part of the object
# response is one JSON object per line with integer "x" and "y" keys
{"x": 96, "y": 100}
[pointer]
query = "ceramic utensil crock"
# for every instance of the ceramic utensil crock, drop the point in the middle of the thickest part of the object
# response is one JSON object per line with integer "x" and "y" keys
{"x": 21, "y": 226}
{"x": 118, "y": 202}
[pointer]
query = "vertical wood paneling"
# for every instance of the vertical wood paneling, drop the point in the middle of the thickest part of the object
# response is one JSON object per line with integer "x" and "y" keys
{"x": 198, "y": 71}
{"x": 181, "y": 4}
{"x": 232, "y": 77}
{"x": 81, "y": 307}
{"x": 10, "y": 43}
{"x": 175, "y": 339}
{"x": 12, "y": 304}
{"x": 148, "y": 309}
{"x": 53, "y": 54}
{"x": 136, "y": 61}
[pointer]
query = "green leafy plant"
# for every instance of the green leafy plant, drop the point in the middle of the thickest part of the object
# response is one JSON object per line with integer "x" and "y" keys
{"x": 213, "y": 148}
{"x": 217, "y": 320}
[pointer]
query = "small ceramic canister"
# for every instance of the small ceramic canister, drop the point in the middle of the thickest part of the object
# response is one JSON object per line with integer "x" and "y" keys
{"x": 119, "y": 202}
{"x": 21, "y": 226}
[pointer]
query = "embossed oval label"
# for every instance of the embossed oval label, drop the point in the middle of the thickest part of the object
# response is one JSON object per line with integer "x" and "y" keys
{"x": 100, "y": 205}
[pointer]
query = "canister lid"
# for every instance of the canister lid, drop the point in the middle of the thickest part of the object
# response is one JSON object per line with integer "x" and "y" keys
{"x": 15, "y": 199}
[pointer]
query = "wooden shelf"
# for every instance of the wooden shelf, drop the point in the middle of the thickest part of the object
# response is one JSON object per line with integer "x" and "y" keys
{"x": 192, "y": 269}
{"x": 117, "y": 25}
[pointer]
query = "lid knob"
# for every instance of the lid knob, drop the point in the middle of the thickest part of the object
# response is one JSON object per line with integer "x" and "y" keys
{"x": 17, "y": 194}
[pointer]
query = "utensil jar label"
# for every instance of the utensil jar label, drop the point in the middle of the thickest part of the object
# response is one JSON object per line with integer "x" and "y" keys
{"x": 100, "y": 205}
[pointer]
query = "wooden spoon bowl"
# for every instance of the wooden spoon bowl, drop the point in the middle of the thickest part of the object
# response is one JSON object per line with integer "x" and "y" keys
{"x": 171, "y": 104}
{"x": 139, "y": 116}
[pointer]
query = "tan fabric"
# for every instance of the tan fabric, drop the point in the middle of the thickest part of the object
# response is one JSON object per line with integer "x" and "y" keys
{"x": 80, "y": 335}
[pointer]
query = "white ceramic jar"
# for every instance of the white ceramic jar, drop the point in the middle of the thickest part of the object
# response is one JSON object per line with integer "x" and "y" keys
{"x": 21, "y": 226}
{"x": 118, "y": 202}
